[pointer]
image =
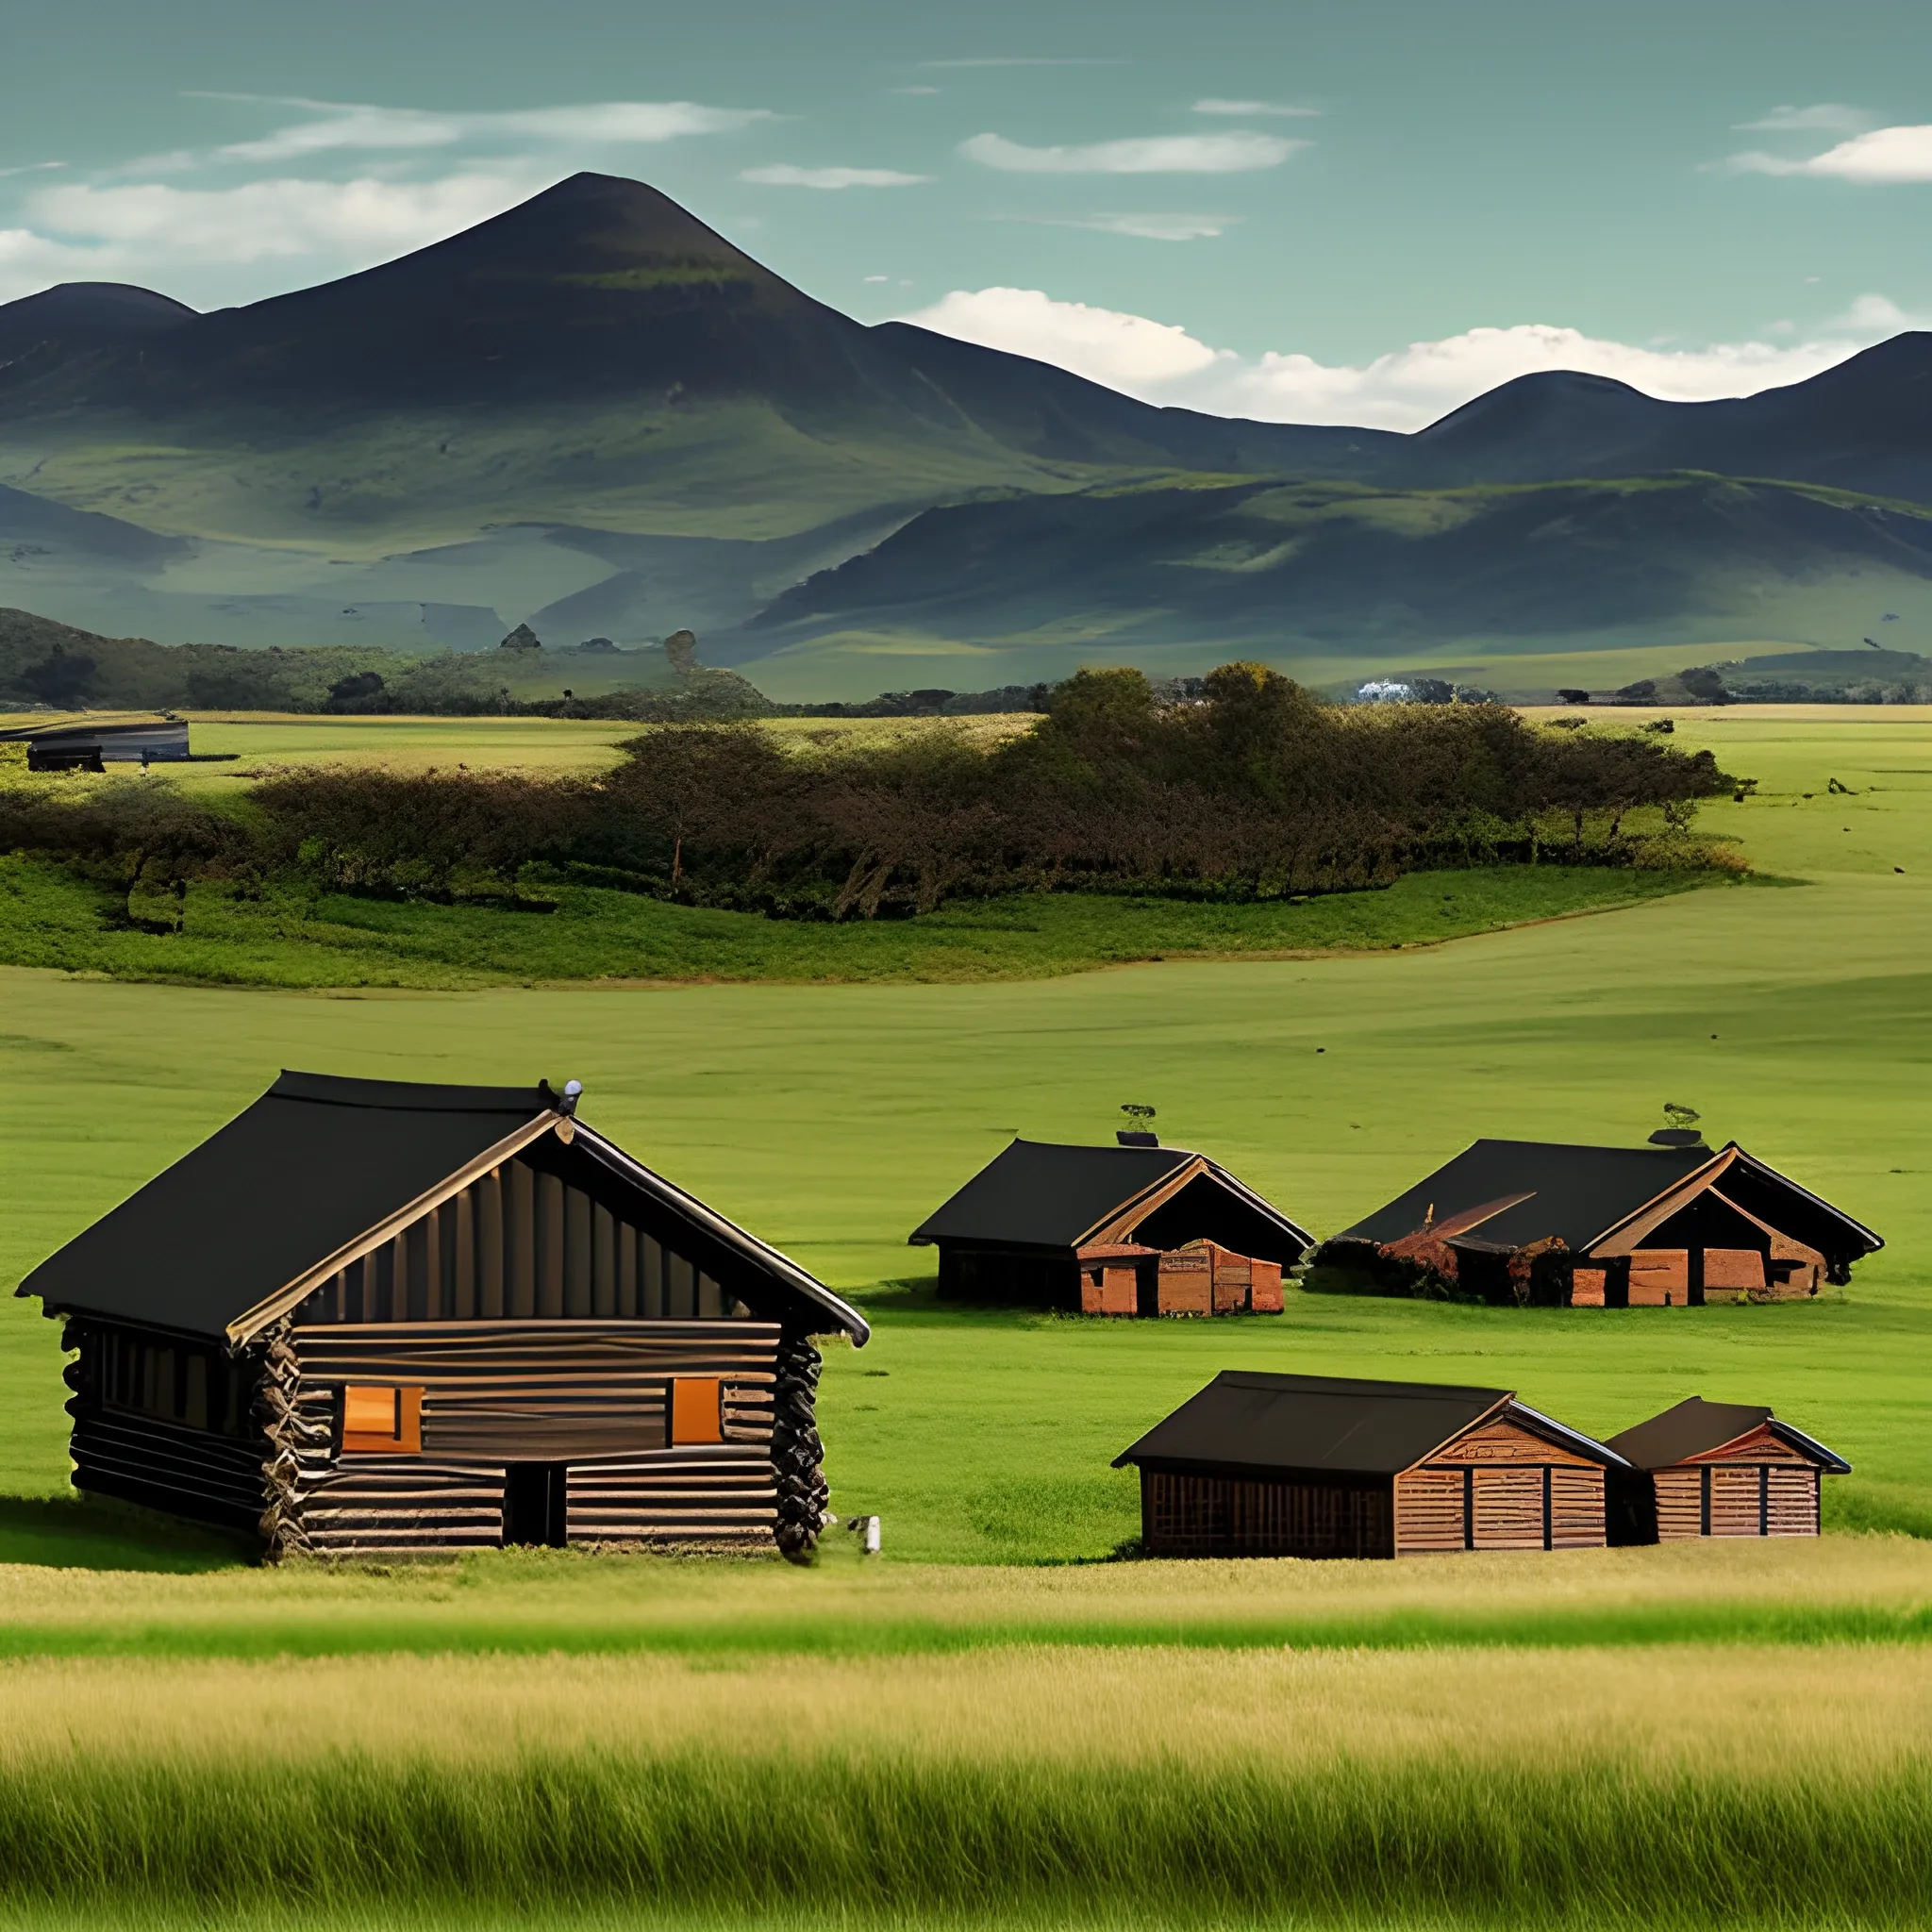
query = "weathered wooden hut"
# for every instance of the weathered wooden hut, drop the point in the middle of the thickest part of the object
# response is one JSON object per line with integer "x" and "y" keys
{"x": 374, "y": 1316}
{"x": 92, "y": 744}
{"x": 1269, "y": 1465}
{"x": 1718, "y": 1469}
{"x": 1666, "y": 1226}
{"x": 1137, "y": 1229}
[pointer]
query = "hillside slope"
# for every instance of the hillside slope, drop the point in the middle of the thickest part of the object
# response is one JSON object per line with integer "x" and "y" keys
{"x": 1312, "y": 570}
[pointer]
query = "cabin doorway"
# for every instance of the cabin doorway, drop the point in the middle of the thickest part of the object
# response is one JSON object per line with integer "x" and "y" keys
{"x": 536, "y": 1505}
{"x": 1147, "y": 1286}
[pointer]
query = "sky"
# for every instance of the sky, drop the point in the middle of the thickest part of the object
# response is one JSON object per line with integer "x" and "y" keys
{"x": 1319, "y": 214}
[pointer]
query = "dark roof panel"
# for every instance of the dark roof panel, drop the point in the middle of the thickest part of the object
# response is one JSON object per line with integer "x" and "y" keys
{"x": 1038, "y": 1193}
{"x": 313, "y": 1163}
{"x": 1575, "y": 1193}
{"x": 1695, "y": 1427}
{"x": 1319, "y": 1425}
{"x": 312, "y": 1166}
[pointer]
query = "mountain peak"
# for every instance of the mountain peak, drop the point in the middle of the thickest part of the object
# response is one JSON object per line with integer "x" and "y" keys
{"x": 86, "y": 315}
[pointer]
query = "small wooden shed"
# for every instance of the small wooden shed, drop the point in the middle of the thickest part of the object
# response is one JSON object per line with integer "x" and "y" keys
{"x": 1666, "y": 1226}
{"x": 1278, "y": 1465}
{"x": 370, "y": 1316}
{"x": 1718, "y": 1469}
{"x": 1136, "y": 1229}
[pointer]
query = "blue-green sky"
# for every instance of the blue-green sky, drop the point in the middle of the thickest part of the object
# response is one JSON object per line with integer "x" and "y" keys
{"x": 1250, "y": 207}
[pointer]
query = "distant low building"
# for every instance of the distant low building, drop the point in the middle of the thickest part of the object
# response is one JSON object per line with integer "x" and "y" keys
{"x": 1718, "y": 1469}
{"x": 1672, "y": 1224}
{"x": 1137, "y": 1229}
{"x": 1268, "y": 1465}
{"x": 92, "y": 744}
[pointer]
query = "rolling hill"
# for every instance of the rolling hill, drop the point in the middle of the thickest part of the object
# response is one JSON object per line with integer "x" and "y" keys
{"x": 1367, "y": 578}
{"x": 596, "y": 414}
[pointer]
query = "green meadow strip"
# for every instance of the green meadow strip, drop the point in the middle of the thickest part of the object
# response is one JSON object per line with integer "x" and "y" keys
{"x": 1794, "y": 1624}
{"x": 1601, "y": 1842}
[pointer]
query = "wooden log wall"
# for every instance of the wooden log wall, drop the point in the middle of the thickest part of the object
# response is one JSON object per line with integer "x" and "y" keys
{"x": 522, "y": 1245}
{"x": 1501, "y": 1487}
{"x": 1224, "y": 1516}
{"x": 798, "y": 1458}
{"x": 588, "y": 1394}
{"x": 164, "y": 1423}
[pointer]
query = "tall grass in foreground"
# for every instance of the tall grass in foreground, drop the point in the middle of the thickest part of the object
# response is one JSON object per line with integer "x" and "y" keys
{"x": 868, "y": 1837}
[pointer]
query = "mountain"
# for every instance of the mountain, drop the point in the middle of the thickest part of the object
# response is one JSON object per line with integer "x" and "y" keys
{"x": 602, "y": 291}
{"x": 1310, "y": 572}
{"x": 1865, "y": 424}
{"x": 82, "y": 316}
{"x": 597, "y": 415}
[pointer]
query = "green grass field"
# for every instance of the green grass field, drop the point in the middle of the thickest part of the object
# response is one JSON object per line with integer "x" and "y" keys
{"x": 985, "y": 1726}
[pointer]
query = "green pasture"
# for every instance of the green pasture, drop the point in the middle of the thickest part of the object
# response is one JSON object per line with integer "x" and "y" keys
{"x": 991, "y": 1724}
{"x": 832, "y": 1118}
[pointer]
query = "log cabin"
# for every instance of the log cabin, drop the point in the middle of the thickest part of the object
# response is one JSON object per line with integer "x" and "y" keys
{"x": 372, "y": 1317}
{"x": 1133, "y": 1229}
{"x": 1672, "y": 1224}
{"x": 1718, "y": 1469}
{"x": 1275, "y": 1465}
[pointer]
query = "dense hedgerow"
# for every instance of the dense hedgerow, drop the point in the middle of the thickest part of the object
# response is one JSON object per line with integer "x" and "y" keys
{"x": 1258, "y": 791}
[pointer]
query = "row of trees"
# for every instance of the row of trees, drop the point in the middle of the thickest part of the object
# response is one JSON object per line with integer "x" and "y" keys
{"x": 1255, "y": 789}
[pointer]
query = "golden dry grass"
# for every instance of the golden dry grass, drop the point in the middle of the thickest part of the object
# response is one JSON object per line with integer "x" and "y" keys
{"x": 1742, "y": 1712}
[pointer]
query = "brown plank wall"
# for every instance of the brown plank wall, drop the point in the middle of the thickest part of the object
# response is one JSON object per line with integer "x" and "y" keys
{"x": 1501, "y": 1487}
{"x": 1757, "y": 1486}
{"x": 589, "y": 1394}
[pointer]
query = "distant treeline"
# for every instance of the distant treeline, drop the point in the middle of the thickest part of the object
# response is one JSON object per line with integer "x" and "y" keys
{"x": 46, "y": 663}
{"x": 1256, "y": 790}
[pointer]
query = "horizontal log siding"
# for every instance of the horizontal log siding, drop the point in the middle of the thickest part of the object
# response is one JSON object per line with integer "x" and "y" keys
{"x": 520, "y": 1244}
{"x": 589, "y": 1394}
{"x": 164, "y": 1465}
{"x": 725, "y": 1493}
{"x": 1222, "y": 1516}
{"x": 1762, "y": 1498}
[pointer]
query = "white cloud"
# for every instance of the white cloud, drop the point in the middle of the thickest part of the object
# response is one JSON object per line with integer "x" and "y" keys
{"x": 31, "y": 168}
{"x": 340, "y": 125}
{"x": 1884, "y": 154}
{"x": 95, "y": 231}
{"x": 1146, "y": 227}
{"x": 1825, "y": 117}
{"x": 1405, "y": 389}
{"x": 783, "y": 175}
{"x": 1160, "y": 154}
{"x": 1244, "y": 109}
{"x": 1127, "y": 351}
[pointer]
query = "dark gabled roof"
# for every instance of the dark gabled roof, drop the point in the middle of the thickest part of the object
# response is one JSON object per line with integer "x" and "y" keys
{"x": 1046, "y": 1194}
{"x": 309, "y": 1169}
{"x": 1695, "y": 1427}
{"x": 1248, "y": 1422}
{"x": 1575, "y": 1193}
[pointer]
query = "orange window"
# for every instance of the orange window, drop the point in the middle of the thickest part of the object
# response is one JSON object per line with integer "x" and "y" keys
{"x": 697, "y": 1410}
{"x": 382, "y": 1420}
